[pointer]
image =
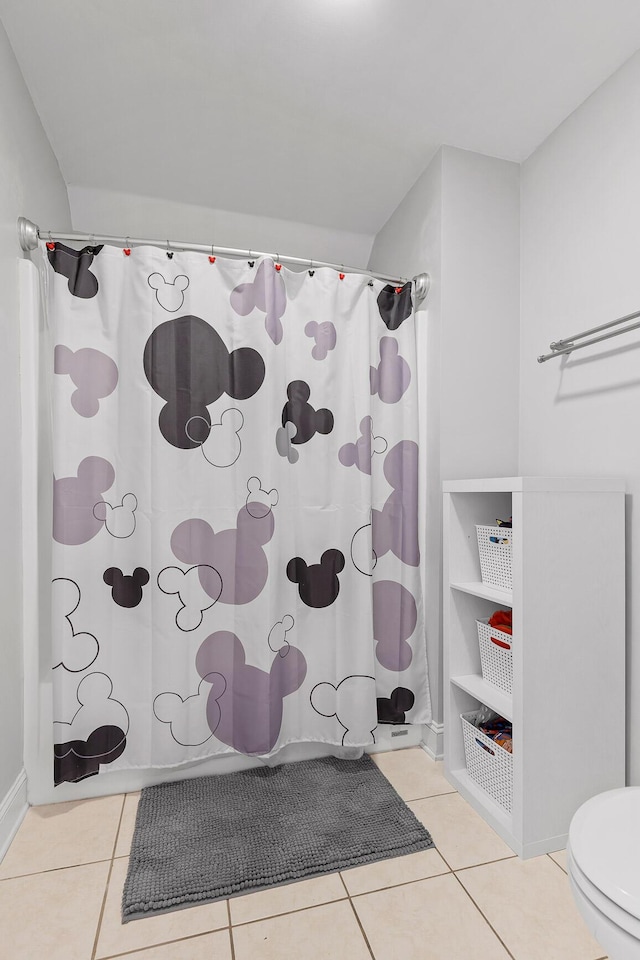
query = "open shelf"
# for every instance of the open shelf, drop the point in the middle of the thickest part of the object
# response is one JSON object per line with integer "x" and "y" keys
{"x": 568, "y": 566}
{"x": 485, "y": 591}
{"x": 486, "y": 693}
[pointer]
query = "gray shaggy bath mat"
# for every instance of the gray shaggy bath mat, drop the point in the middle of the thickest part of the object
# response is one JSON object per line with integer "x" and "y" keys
{"x": 214, "y": 837}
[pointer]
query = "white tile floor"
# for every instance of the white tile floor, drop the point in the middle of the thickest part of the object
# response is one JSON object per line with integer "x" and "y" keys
{"x": 469, "y": 899}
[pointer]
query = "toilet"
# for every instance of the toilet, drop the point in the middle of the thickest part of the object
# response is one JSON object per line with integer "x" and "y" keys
{"x": 603, "y": 862}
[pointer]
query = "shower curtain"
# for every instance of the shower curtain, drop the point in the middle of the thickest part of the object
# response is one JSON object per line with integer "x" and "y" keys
{"x": 236, "y": 558}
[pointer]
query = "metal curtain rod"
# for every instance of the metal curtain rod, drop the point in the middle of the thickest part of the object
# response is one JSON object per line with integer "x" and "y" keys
{"x": 568, "y": 345}
{"x": 29, "y": 233}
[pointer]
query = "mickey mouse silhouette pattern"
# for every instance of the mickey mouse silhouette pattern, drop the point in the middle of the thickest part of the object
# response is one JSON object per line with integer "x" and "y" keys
{"x": 188, "y": 365}
{"x": 298, "y": 410}
{"x": 394, "y": 308}
{"x": 75, "y": 499}
{"x": 391, "y": 378}
{"x": 394, "y": 709}
{"x": 73, "y": 651}
{"x": 126, "y": 590}
{"x": 260, "y": 502}
{"x": 325, "y": 338}
{"x": 266, "y": 292}
{"x": 74, "y": 265}
{"x": 187, "y": 718}
{"x": 169, "y": 293}
{"x": 318, "y": 583}
{"x": 193, "y": 598}
{"x": 361, "y": 452}
{"x": 236, "y": 555}
{"x": 344, "y": 701}
{"x": 395, "y": 527}
{"x": 94, "y": 374}
{"x": 97, "y": 733}
{"x": 222, "y": 447}
{"x": 119, "y": 521}
{"x": 248, "y": 715}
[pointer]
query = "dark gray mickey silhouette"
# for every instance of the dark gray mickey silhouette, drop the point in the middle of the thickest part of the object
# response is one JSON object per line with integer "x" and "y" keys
{"x": 395, "y": 306}
{"x": 318, "y": 584}
{"x": 188, "y": 365}
{"x": 75, "y": 760}
{"x": 299, "y": 411}
{"x": 126, "y": 590}
{"x": 74, "y": 265}
{"x": 393, "y": 709}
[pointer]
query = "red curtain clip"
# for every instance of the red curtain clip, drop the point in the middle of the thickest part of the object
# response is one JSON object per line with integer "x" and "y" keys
{"x": 126, "y": 251}
{"x": 212, "y": 259}
{"x": 341, "y": 275}
{"x": 398, "y": 289}
{"x": 278, "y": 267}
{"x": 51, "y": 245}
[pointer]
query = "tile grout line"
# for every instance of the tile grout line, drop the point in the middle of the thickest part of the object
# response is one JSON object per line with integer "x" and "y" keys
{"x": 233, "y": 949}
{"x": 69, "y": 866}
{"x": 355, "y": 913}
{"x": 106, "y": 888}
{"x": 557, "y": 864}
{"x": 486, "y": 920}
{"x": 164, "y": 943}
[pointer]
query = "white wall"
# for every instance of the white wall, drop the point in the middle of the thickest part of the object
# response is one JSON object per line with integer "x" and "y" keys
{"x": 122, "y": 214}
{"x": 580, "y": 268}
{"x": 460, "y": 222}
{"x": 30, "y": 185}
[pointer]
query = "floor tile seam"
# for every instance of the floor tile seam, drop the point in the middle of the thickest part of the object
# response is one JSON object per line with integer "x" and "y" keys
{"x": 274, "y": 916}
{"x": 164, "y": 943}
{"x": 404, "y": 883}
{"x": 67, "y": 866}
{"x": 485, "y": 918}
{"x": 101, "y": 914}
{"x": 485, "y": 863}
{"x": 566, "y": 872}
{"x": 231, "y": 943}
{"x": 355, "y": 913}
{"x": 429, "y": 796}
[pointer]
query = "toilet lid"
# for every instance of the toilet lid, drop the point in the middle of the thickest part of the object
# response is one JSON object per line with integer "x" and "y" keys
{"x": 605, "y": 842}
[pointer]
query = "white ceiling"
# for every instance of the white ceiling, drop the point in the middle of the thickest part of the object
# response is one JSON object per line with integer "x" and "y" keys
{"x": 319, "y": 111}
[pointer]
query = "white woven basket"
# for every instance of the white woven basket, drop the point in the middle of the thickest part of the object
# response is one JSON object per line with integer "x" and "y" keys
{"x": 495, "y": 558}
{"x": 496, "y": 655}
{"x": 488, "y": 764}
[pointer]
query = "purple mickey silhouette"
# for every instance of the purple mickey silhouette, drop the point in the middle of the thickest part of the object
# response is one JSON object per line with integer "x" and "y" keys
{"x": 74, "y": 498}
{"x": 268, "y": 293}
{"x": 236, "y": 554}
{"x": 324, "y": 335}
{"x": 248, "y": 715}
{"x": 394, "y": 619}
{"x": 391, "y": 378}
{"x": 92, "y": 371}
{"x": 395, "y": 527}
{"x": 361, "y": 452}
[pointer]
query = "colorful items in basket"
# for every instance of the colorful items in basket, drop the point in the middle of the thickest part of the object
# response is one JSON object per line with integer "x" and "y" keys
{"x": 501, "y": 620}
{"x": 499, "y": 730}
{"x": 504, "y": 523}
{"x": 498, "y": 539}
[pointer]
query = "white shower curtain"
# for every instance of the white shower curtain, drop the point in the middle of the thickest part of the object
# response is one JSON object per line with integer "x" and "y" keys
{"x": 236, "y": 560}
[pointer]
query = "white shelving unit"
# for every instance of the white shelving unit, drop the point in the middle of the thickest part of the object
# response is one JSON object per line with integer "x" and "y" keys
{"x": 567, "y": 703}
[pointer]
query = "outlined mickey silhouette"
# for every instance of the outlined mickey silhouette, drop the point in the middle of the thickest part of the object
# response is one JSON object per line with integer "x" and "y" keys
{"x": 299, "y": 411}
{"x": 119, "y": 521}
{"x": 318, "y": 583}
{"x": 126, "y": 590}
{"x": 259, "y": 502}
{"x": 348, "y": 703}
{"x": 188, "y": 365}
{"x": 169, "y": 293}
{"x": 75, "y": 498}
{"x": 223, "y": 445}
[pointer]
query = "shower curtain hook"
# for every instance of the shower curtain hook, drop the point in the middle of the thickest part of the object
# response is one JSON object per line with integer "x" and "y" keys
{"x": 127, "y": 250}
{"x": 212, "y": 259}
{"x": 311, "y": 270}
{"x": 169, "y": 251}
{"x": 250, "y": 261}
{"x": 50, "y": 244}
{"x": 277, "y": 264}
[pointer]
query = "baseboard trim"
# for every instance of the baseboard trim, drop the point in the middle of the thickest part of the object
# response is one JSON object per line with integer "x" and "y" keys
{"x": 12, "y": 811}
{"x": 433, "y": 740}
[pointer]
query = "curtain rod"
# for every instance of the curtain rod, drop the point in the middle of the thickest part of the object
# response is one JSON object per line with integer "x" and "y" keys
{"x": 568, "y": 345}
{"x": 29, "y": 233}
